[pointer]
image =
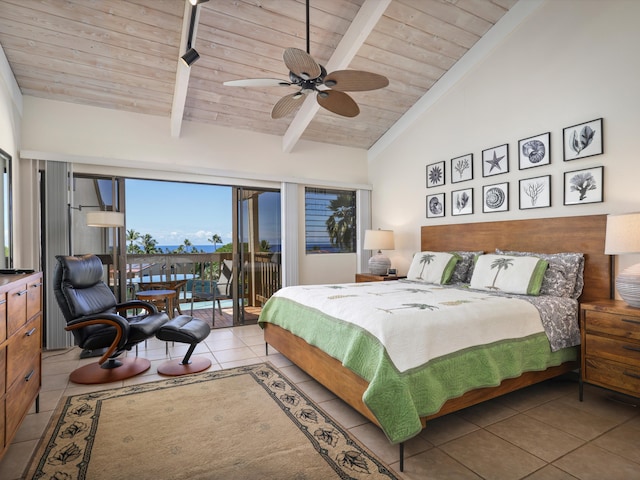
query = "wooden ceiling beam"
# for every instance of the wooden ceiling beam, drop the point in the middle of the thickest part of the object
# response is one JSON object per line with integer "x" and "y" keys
{"x": 183, "y": 72}
{"x": 355, "y": 36}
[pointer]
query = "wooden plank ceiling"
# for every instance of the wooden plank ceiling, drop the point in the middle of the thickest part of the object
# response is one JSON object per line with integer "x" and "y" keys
{"x": 125, "y": 55}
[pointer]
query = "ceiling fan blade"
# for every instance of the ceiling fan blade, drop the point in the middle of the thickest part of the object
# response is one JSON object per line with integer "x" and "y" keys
{"x": 338, "y": 102}
{"x": 257, "y": 82}
{"x": 287, "y": 104}
{"x": 301, "y": 63}
{"x": 355, "y": 81}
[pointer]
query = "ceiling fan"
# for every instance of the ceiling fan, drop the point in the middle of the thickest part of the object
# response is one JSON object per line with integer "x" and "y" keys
{"x": 310, "y": 77}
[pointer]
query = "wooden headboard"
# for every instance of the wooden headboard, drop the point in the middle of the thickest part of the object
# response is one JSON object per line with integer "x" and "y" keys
{"x": 546, "y": 235}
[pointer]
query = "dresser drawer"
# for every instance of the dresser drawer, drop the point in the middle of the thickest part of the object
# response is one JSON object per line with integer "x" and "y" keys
{"x": 612, "y": 324}
{"x": 3, "y": 429}
{"x": 3, "y": 317}
{"x": 620, "y": 350}
{"x": 22, "y": 348}
{"x": 16, "y": 308}
{"x": 623, "y": 378}
{"x": 21, "y": 395}
{"x": 3, "y": 366}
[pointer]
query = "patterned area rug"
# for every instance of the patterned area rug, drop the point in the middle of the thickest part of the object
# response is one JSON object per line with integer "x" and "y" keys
{"x": 242, "y": 423}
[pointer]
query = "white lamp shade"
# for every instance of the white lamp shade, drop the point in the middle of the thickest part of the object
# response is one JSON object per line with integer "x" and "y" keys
{"x": 623, "y": 234}
{"x": 105, "y": 219}
{"x": 378, "y": 240}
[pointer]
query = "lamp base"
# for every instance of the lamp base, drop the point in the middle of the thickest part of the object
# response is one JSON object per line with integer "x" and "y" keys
{"x": 628, "y": 285}
{"x": 379, "y": 264}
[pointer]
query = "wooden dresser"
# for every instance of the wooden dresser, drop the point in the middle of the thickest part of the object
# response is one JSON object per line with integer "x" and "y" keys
{"x": 611, "y": 345}
{"x": 20, "y": 350}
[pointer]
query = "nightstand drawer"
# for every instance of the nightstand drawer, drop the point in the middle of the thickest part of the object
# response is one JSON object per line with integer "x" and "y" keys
{"x": 613, "y": 324}
{"x": 624, "y": 378}
{"x": 618, "y": 350}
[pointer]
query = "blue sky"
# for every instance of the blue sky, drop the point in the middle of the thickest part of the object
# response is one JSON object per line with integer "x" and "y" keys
{"x": 173, "y": 211}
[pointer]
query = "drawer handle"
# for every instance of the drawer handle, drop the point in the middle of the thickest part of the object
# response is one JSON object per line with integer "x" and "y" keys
{"x": 36, "y": 285}
{"x": 628, "y": 320}
{"x": 632, "y": 375}
{"x": 3, "y": 301}
{"x": 31, "y": 332}
{"x": 28, "y": 377}
{"x": 22, "y": 292}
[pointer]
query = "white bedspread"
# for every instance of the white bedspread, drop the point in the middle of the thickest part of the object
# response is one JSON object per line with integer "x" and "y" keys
{"x": 417, "y": 323}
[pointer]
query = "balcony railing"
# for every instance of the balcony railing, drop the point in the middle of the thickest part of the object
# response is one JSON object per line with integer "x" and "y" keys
{"x": 261, "y": 277}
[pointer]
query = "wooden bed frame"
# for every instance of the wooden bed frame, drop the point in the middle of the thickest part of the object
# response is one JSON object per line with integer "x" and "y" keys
{"x": 550, "y": 235}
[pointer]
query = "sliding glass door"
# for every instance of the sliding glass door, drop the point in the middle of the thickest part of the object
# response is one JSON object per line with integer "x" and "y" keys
{"x": 257, "y": 250}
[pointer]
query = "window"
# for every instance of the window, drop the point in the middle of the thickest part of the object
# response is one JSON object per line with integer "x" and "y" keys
{"x": 330, "y": 221}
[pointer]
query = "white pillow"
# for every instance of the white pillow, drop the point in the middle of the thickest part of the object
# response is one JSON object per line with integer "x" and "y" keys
{"x": 432, "y": 267}
{"x": 509, "y": 274}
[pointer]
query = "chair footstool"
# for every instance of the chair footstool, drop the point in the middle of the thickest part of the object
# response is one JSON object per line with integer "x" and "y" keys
{"x": 184, "y": 329}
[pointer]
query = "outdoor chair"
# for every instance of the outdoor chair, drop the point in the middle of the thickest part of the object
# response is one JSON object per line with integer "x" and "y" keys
{"x": 206, "y": 290}
{"x": 97, "y": 321}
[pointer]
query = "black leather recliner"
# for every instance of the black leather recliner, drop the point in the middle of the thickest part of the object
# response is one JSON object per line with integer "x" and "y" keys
{"x": 98, "y": 321}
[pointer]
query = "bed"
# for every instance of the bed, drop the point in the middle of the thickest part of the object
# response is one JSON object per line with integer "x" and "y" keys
{"x": 365, "y": 389}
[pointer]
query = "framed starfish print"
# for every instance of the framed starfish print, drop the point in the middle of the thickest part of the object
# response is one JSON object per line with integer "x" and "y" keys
{"x": 435, "y": 174}
{"x": 495, "y": 161}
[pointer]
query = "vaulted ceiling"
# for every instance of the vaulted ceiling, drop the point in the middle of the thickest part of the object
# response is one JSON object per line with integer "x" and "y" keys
{"x": 125, "y": 55}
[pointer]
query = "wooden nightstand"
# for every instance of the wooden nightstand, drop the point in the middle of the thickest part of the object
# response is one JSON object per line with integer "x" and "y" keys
{"x": 370, "y": 277}
{"x": 610, "y": 334}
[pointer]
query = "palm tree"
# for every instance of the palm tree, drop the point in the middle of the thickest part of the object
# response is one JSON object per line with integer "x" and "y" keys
{"x": 341, "y": 223}
{"x": 148, "y": 243}
{"x": 426, "y": 259}
{"x": 132, "y": 237}
{"x": 500, "y": 263}
{"x": 215, "y": 239}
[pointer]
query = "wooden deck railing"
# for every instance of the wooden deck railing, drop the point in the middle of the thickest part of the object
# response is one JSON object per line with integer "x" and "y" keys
{"x": 260, "y": 282}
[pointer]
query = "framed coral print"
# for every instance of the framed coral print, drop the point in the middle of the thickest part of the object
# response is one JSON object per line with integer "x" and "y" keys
{"x": 535, "y": 192}
{"x": 462, "y": 168}
{"x": 435, "y": 174}
{"x": 495, "y": 160}
{"x": 583, "y": 186}
{"x": 534, "y": 151}
{"x": 495, "y": 198}
{"x": 583, "y": 140}
{"x": 435, "y": 205}
{"x": 462, "y": 202}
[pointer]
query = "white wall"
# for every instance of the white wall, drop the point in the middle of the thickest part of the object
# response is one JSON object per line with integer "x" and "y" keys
{"x": 570, "y": 61}
{"x": 116, "y": 138}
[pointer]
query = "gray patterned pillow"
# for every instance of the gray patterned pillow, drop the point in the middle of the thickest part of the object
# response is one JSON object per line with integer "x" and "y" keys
{"x": 464, "y": 268}
{"x": 564, "y": 276}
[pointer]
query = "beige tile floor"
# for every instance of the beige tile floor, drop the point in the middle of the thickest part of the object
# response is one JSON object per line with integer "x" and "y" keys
{"x": 542, "y": 432}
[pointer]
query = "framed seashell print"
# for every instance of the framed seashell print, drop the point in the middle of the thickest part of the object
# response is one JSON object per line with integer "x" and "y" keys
{"x": 462, "y": 168}
{"x": 534, "y": 151}
{"x": 495, "y": 198}
{"x": 435, "y": 174}
{"x": 462, "y": 202}
{"x": 584, "y": 186}
{"x": 535, "y": 192}
{"x": 583, "y": 140}
{"x": 495, "y": 160}
{"x": 435, "y": 205}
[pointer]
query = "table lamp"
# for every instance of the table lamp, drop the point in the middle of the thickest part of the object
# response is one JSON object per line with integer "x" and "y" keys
{"x": 379, "y": 240}
{"x": 623, "y": 236}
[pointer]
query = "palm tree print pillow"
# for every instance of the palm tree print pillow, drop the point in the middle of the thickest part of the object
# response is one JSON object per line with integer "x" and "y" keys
{"x": 507, "y": 274}
{"x": 432, "y": 267}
